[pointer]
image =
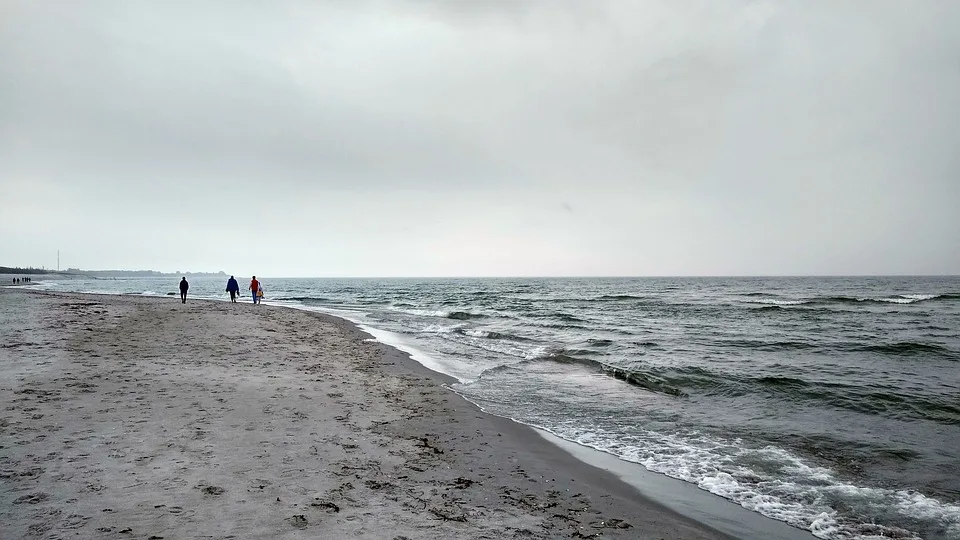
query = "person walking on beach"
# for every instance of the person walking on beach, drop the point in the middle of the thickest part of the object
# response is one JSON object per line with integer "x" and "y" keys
{"x": 183, "y": 289}
{"x": 255, "y": 288}
{"x": 233, "y": 288}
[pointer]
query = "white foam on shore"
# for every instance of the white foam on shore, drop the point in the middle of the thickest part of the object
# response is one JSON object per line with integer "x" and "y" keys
{"x": 795, "y": 492}
{"x": 392, "y": 339}
{"x": 442, "y": 328}
{"x": 417, "y": 354}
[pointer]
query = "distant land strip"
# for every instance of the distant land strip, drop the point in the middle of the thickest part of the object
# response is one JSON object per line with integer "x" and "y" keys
{"x": 102, "y": 273}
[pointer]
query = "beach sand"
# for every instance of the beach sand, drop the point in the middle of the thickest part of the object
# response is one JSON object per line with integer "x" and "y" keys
{"x": 133, "y": 417}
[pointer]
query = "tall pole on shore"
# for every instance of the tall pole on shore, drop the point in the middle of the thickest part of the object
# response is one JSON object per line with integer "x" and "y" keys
{"x": 58, "y": 260}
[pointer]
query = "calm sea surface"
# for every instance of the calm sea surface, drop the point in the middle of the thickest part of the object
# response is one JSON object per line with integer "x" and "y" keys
{"x": 832, "y": 404}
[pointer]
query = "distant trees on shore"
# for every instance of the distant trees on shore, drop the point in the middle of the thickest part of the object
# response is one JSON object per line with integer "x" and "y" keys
{"x": 103, "y": 273}
{"x": 138, "y": 273}
{"x": 28, "y": 270}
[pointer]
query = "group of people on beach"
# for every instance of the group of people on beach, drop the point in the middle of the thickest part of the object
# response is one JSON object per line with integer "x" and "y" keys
{"x": 232, "y": 287}
{"x": 17, "y": 280}
{"x": 255, "y": 289}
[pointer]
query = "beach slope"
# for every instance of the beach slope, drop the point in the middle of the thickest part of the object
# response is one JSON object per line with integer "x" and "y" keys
{"x": 133, "y": 417}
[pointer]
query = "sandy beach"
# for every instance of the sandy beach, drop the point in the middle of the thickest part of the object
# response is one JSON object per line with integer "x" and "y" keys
{"x": 133, "y": 417}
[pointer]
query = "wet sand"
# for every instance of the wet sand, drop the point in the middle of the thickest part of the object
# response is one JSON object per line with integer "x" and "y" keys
{"x": 133, "y": 417}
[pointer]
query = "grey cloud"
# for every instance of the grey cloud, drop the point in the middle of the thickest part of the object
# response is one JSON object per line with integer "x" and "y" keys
{"x": 689, "y": 137}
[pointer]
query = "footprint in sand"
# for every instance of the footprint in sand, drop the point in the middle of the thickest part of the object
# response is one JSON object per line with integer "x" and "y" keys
{"x": 32, "y": 498}
{"x": 299, "y": 521}
{"x": 212, "y": 490}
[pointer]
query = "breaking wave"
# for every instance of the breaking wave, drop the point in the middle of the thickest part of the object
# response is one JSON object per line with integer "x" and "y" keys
{"x": 633, "y": 377}
{"x": 464, "y": 315}
{"x": 777, "y": 302}
{"x": 490, "y": 334}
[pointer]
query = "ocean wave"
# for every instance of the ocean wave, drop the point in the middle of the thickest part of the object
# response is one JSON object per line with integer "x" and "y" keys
{"x": 941, "y": 411}
{"x": 766, "y": 346}
{"x": 904, "y": 298}
{"x": 893, "y": 299}
{"x": 565, "y": 317}
{"x": 563, "y": 356}
{"x": 584, "y": 352}
{"x": 909, "y": 348}
{"x": 920, "y": 297}
{"x": 778, "y": 484}
{"x": 420, "y": 312}
{"x": 768, "y": 300}
{"x": 643, "y": 380}
{"x": 561, "y": 326}
{"x": 782, "y": 382}
{"x": 618, "y": 298}
{"x": 890, "y": 403}
{"x": 441, "y": 329}
{"x": 502, "y": 349}
{"x": 441, "y": 313}
{"x": 464, "y": 315}
{"x": 777, "y": 302}
{"x": 490, "y": 334}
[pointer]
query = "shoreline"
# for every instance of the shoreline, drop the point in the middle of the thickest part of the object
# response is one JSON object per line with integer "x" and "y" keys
{"x": 682, "y": 498}
{"x": 435, "y": 466}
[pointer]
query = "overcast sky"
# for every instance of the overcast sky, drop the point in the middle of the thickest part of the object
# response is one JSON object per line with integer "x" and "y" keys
{"x": 505, "y": 137}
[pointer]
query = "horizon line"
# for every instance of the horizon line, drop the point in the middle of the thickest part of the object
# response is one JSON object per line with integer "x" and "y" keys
{"x": 565, "y": 276}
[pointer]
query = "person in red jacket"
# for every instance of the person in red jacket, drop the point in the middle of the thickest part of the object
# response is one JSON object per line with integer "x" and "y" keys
{"x": 255, "y": 288}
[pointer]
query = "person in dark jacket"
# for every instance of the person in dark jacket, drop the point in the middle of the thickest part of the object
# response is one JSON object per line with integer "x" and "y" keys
{"x": 183, "y": 289}
{"x": 233, "y": 288}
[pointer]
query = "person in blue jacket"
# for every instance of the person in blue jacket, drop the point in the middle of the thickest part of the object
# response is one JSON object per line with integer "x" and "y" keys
{"x": 233, "y": 288}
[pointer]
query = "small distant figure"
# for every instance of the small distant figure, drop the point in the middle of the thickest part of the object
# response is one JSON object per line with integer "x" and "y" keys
{"x": 184, "y": 286}
{"x": 255, "y": 289}
{"x": 233, "y": 288}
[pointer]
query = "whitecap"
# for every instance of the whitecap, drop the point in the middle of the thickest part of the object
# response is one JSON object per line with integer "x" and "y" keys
{"x": 776, "y": 302}
{"x": 421, "y": 312}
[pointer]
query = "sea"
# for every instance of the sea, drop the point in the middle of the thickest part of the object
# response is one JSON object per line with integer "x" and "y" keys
{"x": 828, "y": 403}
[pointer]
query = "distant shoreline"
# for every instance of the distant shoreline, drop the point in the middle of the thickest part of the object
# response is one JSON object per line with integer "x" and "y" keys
{"x": 103, "y": 273}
